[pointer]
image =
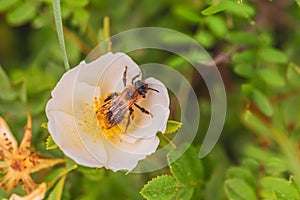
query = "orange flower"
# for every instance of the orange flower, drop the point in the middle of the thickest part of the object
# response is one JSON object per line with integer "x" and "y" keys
{"x": 17, "y": 163}
{"x": 37, "y": 194}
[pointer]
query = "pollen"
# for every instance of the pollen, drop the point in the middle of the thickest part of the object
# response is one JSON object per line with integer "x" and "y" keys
{"x": 108, "y": 131}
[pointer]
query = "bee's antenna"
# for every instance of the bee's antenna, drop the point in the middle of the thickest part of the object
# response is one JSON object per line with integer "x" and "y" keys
{"x": 153, "y": 90}
{"x": 135, "y": 77}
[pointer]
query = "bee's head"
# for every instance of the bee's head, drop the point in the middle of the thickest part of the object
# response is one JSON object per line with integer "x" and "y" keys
{"x": 143, "y": 87}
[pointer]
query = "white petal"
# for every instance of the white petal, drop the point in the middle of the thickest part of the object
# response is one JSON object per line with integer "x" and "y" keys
{"x": 63, "y": 92}
{"x": 6, "y": 133}
{"x": 158, "y": 105}
{"x": 140, "y": 146}
{"x": 64, "y": 133}
{"x": 122, "y": 160}
{"x": 107, "y": 72}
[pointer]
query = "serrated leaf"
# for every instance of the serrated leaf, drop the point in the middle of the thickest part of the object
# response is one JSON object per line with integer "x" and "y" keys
{"x": 22, "y": 14}
{"x": 172, "y": 126}
{"x": 262, "y": 102}
{"x": 293, "y": 75}
{"x": 186, "y": 168}
{"x": 50, "y": 144}
{"x": 187, "y": 13}
{"x": 56, "y": 192}
{"x": 271, "y": 77}
{"x": 238, "y": 189}
{"x": 160, "y": 188}
{"x": 282, "y": 188}
{"x": 5, "y": 4}
{"x": 273, "y": 55}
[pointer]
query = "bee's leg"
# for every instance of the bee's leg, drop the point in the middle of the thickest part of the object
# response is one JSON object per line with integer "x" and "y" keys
{"x": 128, "y": 118}
{"x": 111, "y": 96}
{"x": 125, "y": 76}
{"x": 143, "y": 110}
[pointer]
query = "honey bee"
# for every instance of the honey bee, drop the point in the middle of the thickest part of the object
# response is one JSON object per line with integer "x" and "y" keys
{"x": 116, "y": 105}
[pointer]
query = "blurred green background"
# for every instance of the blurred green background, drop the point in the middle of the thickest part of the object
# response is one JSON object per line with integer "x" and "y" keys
{"x": 255, "y": 45}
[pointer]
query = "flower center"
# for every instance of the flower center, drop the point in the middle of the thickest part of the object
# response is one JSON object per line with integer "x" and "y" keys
{"x": 18, "y": 164}
{"x": 110, "y": 125}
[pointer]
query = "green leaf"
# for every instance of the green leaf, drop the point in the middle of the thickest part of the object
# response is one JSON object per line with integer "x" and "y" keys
{"x": 243, "y": 174}
{"x": 56, "y": 192}
{"x": 187, "y": 13}
{"x": 247, "y": 56}
{"x": 273, "y": 55}
{"x": 22, "y": 14}
{"x": 245, "y": 70}
{"x": 77, "y": 3}
{"x": 93, "y": 174}
{"x": 213, "y": 9}
{"x": 293, "y": 75}
{"x": 58, "y": 173}
{"x": 50, "y": 144}
{"x": 239, "y": 37}
{"x": 298, "y": 2}
{"x": 5, "y": 4}
{"x": 254, "y": 123}
{"x": 217, "y": 25}
{"x": 252, "y": 165}
{"x": 271, "y": 77}
{"x": 256, "y": 153}
{"x": 205, "y": 38}
{"x": 4, "y": 80}
{"x": 275, "y": 166}
{"x": 45, "y": 126}
{"x": 160, "y": 188}
{"x": 238, "y": 189}
{"x": 172, "y": 126}
{"x": 282, "y": 189}
{"x": 59, "y": 29}
{"x": 233, "y": 7}
{"x": 7, "y": 93}
{"x": 262, "y": 102}
{"x": 247, "y": 89}
{"x": 188, "y": 168}
{"x": 185, "y": 193}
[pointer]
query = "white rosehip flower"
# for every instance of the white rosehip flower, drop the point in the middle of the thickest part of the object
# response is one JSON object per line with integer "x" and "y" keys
{"x": 102, "y": 114}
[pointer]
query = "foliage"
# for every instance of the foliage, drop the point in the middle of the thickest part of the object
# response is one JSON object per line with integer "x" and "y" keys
{"x": 255, "y": 46}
